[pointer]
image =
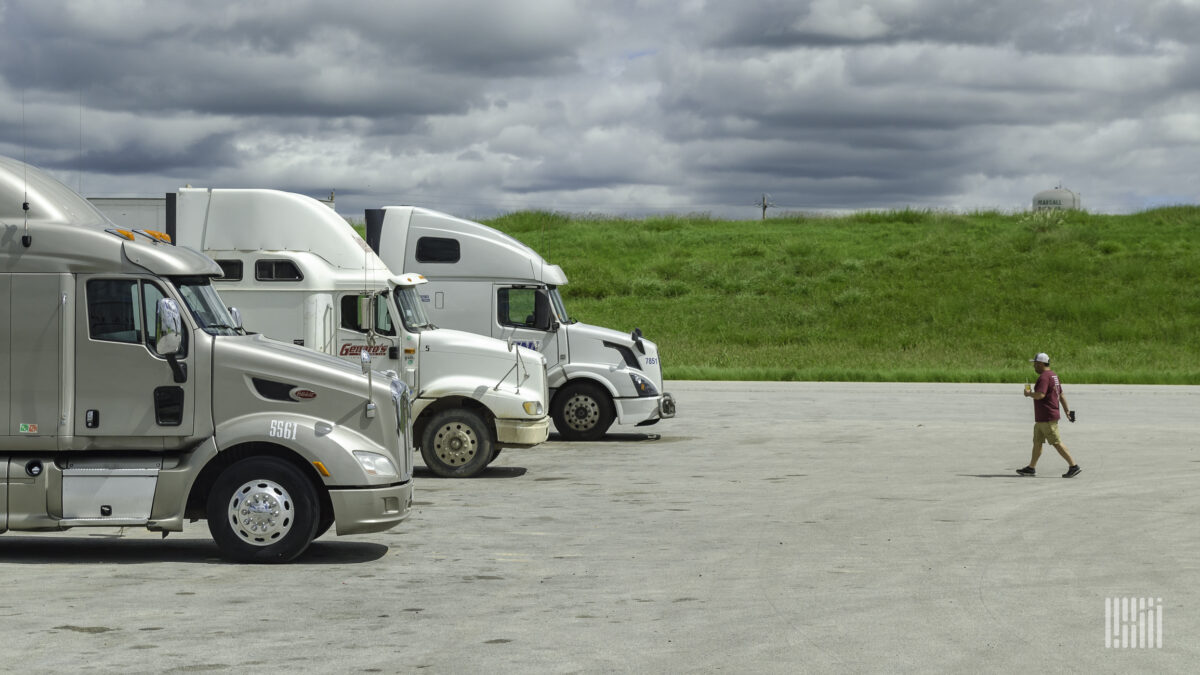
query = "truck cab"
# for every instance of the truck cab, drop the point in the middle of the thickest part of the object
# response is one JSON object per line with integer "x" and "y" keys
{"x": 299, "y": 273}
{"x": 132, "y": 398}
{"x": 486, "y": 282}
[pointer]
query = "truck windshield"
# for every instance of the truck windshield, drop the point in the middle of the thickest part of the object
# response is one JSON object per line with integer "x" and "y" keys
{"x": 559, "y": 308}
{"x": 408, "y": 302}
{"x": 205, "y": 305}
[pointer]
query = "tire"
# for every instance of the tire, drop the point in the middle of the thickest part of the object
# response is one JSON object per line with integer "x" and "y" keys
{"x": 263, "y": 510}
{"x": 323, "y": 525}
{"x": 457, "y": 444}
{"x": 582, "y": 411}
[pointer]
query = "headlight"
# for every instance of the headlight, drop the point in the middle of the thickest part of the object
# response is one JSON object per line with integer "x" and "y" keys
{"x": 533, "y": 408}
{"x": 375, "y": 464}
{"x": 643, "y": 385}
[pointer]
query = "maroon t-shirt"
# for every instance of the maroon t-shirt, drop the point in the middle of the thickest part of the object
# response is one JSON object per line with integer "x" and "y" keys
{"x": 1046, "y": 409}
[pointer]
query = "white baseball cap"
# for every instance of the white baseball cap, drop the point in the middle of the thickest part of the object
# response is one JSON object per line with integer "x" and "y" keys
{"x": 1042, "y": 357}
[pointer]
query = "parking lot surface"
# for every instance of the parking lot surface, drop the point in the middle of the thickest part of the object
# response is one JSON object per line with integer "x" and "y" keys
{"x": 770, "y": 527}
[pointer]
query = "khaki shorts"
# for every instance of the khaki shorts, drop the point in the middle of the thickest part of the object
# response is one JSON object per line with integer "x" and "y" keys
{"x": 1046, "y": 432}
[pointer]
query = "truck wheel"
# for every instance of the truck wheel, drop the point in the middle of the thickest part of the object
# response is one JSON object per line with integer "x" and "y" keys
{"x": 323, "y": 525}
{"x": 263, "y": 510}
{"x": 456, "y": 444}
{"x": 582, "y": 411}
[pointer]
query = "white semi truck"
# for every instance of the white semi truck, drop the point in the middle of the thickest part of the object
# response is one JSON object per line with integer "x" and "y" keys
{"x": 299, "y": 273}
{"x": 486, "y": 282}
{"x": 128, "y": 396}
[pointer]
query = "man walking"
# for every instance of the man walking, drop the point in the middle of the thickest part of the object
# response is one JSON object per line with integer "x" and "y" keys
{"x": 1047, "y": 396}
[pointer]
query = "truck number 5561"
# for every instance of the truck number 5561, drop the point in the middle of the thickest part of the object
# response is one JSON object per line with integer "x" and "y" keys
{"x": 280, "y": 429}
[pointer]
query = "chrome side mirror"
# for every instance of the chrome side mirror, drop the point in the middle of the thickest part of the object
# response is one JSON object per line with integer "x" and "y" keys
{"x": 237, "y": 317}
{"x": 364, "y": 313}
{"x": 365, "y": 359}
{"x": 168, "y": 338}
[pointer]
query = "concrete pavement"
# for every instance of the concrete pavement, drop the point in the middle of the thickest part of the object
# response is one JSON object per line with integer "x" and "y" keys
{"x": 771, "y": 527}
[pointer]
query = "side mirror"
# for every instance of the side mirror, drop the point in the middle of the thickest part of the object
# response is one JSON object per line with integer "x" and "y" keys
{"x": 169, "y": 331}
{"x": 237, "y": 317}
{"x": 543, "y": 317}
{"x": 364, "y": 312}
{"x": 365, "y": 358}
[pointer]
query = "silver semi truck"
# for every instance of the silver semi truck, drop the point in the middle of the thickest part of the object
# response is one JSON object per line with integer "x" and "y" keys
{"x": 130, "y": 397}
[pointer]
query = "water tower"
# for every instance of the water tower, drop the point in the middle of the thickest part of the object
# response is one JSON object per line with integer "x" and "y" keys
{"x": 1058, "y": 198}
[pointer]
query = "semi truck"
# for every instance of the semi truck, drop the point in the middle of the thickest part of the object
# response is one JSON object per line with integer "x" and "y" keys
{"x": 486, "y": 282}
{"x": 131, "y": 398}
{"x": 299, "y": 273}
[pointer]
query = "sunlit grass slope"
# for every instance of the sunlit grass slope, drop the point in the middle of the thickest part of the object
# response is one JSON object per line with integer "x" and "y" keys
{"x": 902, "y": 295}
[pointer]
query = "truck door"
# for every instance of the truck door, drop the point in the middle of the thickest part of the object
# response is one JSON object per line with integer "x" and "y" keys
{"x": 523, "y": 314}
{"x": 122, "y": 387}
{"x": 363, "y": 319}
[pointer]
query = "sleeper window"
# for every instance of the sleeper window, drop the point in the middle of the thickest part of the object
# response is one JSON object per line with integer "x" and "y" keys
{"x": 232, "y": 270}
{"x": 437, "y": 250}
{"x": 276, "y": 270}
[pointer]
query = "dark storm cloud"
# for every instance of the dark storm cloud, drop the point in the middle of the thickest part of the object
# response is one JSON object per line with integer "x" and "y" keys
{"x": 624, "y": 105}
{"x": 1055, "y": 26}
{"x": 136, "y": 156}
{"x": 371, "y": 59}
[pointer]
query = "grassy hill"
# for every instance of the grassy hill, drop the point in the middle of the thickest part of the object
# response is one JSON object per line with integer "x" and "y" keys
{"x": 903, "y": 295}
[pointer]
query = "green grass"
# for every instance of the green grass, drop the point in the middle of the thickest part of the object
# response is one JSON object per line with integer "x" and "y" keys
{"x": 891, "y": 296}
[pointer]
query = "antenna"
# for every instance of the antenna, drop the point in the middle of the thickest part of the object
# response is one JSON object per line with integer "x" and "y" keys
{"x": 26, "y": 239}
{"x": 79, "y": 165}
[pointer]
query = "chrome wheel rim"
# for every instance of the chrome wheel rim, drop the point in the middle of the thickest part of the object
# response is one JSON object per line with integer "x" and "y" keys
{"x": 261, "y": 512}
{"x": 455, "y": 444}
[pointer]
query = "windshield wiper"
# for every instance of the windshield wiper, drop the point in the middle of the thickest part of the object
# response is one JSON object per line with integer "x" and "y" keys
{"x": 221, "y": 326}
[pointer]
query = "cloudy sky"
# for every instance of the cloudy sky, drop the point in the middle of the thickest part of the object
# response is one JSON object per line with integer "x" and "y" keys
{"x": 616, "y": 106}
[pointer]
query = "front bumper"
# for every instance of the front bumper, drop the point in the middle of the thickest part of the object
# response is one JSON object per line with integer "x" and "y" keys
{"x": 358, "y": 511}
{"x": 522, "y": 433}
{"x": 644, "y": 410}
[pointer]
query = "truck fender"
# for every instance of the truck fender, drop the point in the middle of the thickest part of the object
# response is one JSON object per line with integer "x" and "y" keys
{"x": 600, "y": 374}
{"x": 504, "y": 403}
{"x": 309, "y": 438}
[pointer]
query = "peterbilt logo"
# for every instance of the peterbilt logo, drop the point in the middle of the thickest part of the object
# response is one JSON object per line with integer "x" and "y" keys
{"x": 354, "y": 350}
{"x": 303, "y": 394}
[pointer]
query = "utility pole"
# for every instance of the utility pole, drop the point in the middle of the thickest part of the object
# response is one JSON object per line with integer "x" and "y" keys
{"x": 764, "y": 204}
